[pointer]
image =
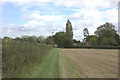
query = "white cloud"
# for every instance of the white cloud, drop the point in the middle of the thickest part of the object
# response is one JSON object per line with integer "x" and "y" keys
{"x": 44, "y": 18}
{"x": 88, "y": 14}
{"x": 92, "y": 19}
{"x": 71, "y": 3}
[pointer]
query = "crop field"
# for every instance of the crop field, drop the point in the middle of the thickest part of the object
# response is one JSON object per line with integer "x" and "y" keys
{"x": 64, "y": 63}
{"x": 88, "y": 63}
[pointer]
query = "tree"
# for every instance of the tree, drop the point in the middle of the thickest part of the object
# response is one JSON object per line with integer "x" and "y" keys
{"x": 59, "y": 39}
{"x": 85, "y": 34}
{"x": 117, "y": 37}
{"x": 49, "y": 40}
{"x": 106, "y": 34}
{"x": 92, "y": 39}
{"x": 18, "y": 38}
{"x": 78, "y": 42}
{"x": 40, "y": 39}
{"x": 32, "y": 39}
{"x": 24, "y": 38}
{"x": 69, "y": 34}
{"x": 105, "y": 27}
{"x": 75, "y": 41}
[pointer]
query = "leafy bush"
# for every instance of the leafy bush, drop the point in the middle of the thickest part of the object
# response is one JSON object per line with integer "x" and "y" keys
{"x": 20, "y": 58}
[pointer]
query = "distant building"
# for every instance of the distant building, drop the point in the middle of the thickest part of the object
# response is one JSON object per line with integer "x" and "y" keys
{"x": 75, "y": 44}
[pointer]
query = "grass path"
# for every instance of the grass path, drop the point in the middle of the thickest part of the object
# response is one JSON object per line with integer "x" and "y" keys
{"x": 49, "y": 66}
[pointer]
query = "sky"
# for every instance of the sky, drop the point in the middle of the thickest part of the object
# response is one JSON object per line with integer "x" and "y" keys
{"x": 42, "y": 17}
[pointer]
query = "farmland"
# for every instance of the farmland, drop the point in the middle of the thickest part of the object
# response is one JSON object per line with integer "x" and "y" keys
{"x": 44, "y": 61}
{"x": 79, "y": 63}
{"x": 89, "y": 63}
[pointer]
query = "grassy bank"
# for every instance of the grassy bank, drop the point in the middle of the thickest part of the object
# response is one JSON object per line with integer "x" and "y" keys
{"x": 49, "y": 67}
{"x": 21, "y": 58}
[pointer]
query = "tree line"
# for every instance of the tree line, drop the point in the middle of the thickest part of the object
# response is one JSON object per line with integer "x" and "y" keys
{"x": 105, "y": 35}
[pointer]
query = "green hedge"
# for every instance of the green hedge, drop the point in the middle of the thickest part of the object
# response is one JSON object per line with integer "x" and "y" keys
{"x": 96, "y": 47}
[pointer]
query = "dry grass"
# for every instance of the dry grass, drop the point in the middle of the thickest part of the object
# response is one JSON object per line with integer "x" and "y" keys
{"x": 91, "y": 63}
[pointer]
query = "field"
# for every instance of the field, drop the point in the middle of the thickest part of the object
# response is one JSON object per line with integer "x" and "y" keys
{"x": 78, "y": 63}
{"x": 89, "y": 63}
{"x": 38, "y": 61}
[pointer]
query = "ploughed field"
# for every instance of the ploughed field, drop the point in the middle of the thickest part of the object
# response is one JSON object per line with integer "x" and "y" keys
{"x": 88, "y": 63}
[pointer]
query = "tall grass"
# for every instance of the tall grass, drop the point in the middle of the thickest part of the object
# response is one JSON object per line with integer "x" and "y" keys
{"x": 19, "y": 59}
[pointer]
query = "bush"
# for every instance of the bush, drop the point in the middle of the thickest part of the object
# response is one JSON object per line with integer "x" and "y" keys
{"x": 20, "y": 58}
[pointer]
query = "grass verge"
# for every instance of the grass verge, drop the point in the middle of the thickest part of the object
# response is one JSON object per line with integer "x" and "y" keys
{"x": 48, "y": 67}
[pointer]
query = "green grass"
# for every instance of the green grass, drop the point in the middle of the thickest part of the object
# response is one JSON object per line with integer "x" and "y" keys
{"x": 49, "y": 66}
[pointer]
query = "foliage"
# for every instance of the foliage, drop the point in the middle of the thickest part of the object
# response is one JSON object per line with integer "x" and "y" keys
{"x": 20, "y": 57}
{"x": 92, "y": 39}
{"x": 107, "y": 35}
{"x": 32, "y": 39}
{"x": 59, "y": 39}
{"x": 75, "y": 41}
{"x": 105, "y": 27}
{"x": 85, "y": 34}
{"x": 49, "y": 40}
{"x": 40, "y": 39}
{"x": 69, "y": 34}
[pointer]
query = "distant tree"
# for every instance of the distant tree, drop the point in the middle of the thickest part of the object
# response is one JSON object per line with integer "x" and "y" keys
{"x": 78, "y": 42}
{"x": 32, "y": 39}
{"x": 75, "y": 41}
{"x": 40, "y": 39}
{"x": 108, "y": 41}
{"x": 24, "y": 38}
{"x": 85, "y": 34}
{"x": 105, "y": 27}
{"x": 49, "y": 40}
{"x": 18, "y": 38}
{"x": 59, "y": 39}
{"x": 69, "y": 34}
{"x": 107, "y": 35}
{"x": 92, "y": 39}
{"x": 117, "y": 37}
{"x": 6, "y": 37}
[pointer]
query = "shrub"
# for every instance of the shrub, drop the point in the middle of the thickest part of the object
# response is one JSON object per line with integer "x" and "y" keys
{"x": 20, "y": 58}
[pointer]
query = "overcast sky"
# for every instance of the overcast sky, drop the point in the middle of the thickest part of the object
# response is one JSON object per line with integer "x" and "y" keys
{"x": 42, "y": 17}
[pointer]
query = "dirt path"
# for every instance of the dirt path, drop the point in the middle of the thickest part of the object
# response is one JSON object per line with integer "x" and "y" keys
{"x": 91, "y": 63}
